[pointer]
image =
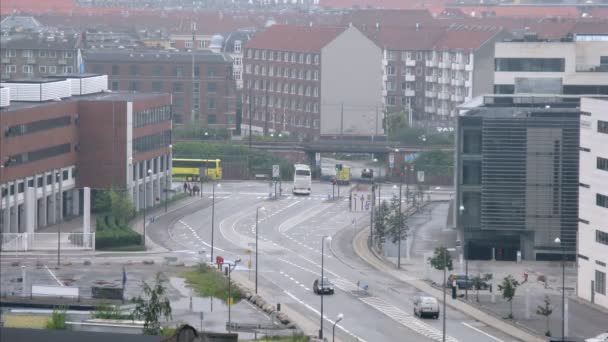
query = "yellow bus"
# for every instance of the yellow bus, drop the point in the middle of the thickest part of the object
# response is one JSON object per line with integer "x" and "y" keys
{"x": 190, "y": 169}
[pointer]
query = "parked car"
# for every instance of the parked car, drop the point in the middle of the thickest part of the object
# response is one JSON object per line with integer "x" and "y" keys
{"x": 323, "y": 287}
{"x": 599, "y": 338}
{"x": 426, "y": 306}
{"x": 367, "y": 174}
{"x": 463, "y": 283}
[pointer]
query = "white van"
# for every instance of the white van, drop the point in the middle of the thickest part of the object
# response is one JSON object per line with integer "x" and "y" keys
{"x": 301, "y": 180}
{"x": 426, "y": 306}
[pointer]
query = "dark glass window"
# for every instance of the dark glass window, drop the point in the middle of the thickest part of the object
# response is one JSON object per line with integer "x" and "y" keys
{"x": 600, "y": 282}
{"x": 602, "y": 163}
{"x": 604, "y": 60}
{"x": 157, "y": 70}
{"x": 40, "y": 154}
{"x": 178, "y": 87}
{"x": 133, "y": 70}
{"x": 133, "y": 86}
{"x": 37, "y": 126}
{"x": 211, "y": 71}
{"x": 157, "y": 86}
{"x": 211, "y": 87}
{"x": 66, "y": 174}
{"x": 471, "y": 143}
{"x": 601, "y": 200}
{"x": 471, "y": 172}
{"x": 601, "y": 237}
{"x": 530, "y": 64}
{"x": 602, "y": 126}
{"x": 114, "y": 85}
{"x": 39, "y": 182}
{"x": 152, "y": 142}
{"x": 97, "y": 68}
{"x": 504, "y": 88}
{"x": 115, "y": 70}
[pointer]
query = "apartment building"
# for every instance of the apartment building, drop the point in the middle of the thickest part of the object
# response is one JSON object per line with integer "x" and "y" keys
{"x": 66, "y": 133}
{"x": 517, "y": 177}
{"x": 430, "y": 70}
{"x": 575, "y": 64}
{"x": 201, "y": 82}
{"x": 34, "y": 55}
{"x": 593, "y": 202}
{"x": 233, "y": 46}
{"x": 312, "y": 81}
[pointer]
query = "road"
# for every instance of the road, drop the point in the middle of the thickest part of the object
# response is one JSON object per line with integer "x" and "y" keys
{"x": 291, "y": 230}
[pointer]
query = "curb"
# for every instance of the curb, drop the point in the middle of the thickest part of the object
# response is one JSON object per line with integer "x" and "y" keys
{"x": 472, "y": 311}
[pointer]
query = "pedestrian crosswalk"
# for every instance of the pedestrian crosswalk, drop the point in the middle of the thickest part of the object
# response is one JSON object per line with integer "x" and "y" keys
{"x": 405, "y": 319}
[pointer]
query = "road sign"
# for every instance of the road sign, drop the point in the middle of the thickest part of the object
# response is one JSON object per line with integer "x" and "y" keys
{"x": 391, "y": 160}
{"x": 276, "y": 171}
{"x": 410, "y": 157}
{"x": 318, "y": 158}
{"x": 420, "y": 176}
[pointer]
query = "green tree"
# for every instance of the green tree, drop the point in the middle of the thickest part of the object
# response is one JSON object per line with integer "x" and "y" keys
{"x": 477, "y": 282}
{"x": 441, "y": 259}
{"x": 545, "y": 310}
{"x": 396, "y": 223}
{"x": 508, "y": 287}
{"x": 380, "y": 224}
{"x": 435, "y": 163}
{"x": 152, "y": 306}
{"x": 115, "y": 203}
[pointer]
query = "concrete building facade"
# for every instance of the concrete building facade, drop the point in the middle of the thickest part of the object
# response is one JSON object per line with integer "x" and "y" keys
{"x": 593, "y": 202}
{"x": 51, "y": 149}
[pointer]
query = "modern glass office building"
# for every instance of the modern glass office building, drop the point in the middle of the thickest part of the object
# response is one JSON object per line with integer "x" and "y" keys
{"x": 517, "y": 177}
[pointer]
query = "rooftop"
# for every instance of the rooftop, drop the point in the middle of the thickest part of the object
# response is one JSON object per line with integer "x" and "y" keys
{"x": 41, "y": 41}
{"x": 294, "y": 38}
{"x": 156, "y": 56}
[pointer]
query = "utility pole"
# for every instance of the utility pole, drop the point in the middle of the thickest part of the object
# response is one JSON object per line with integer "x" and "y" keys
{"x": 266, "y": 107}
{"x": 400, "y": 223}
{"x": 341, "y": 121}
{"x": 250, "y": 115}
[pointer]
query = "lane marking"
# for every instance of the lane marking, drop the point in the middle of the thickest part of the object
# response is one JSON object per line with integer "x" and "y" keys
{"x": 199, "y": 238}
{"x": 53, "y": 275}
{"x": 316, "y": 312}
{"x": 481, "y": 332}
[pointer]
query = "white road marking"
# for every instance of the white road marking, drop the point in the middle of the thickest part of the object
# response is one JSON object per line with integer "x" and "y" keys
{"x": 198, "y": 237}
{"x": 53, "y": 275}
{"x": 481, "y": 332}
{"x": 324, "y": 317}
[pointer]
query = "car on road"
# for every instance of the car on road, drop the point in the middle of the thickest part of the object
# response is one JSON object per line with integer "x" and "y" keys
{"x": 426, "y": 306}
{"x": 323, "y": 287}
{"x": 599, "y": 338}
{"x": 462, "y": 282}
{"x": 367, "y": 174}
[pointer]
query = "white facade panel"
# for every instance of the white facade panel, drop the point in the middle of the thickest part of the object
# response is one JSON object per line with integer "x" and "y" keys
{"x": 5, "y": 96}
{"x": 36, "y": 92}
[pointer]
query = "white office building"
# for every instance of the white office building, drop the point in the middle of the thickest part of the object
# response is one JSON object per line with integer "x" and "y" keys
{"x": 593, "y": 202}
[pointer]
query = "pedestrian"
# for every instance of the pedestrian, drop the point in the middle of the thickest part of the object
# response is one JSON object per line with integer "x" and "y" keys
{"x": 185, "y": 187}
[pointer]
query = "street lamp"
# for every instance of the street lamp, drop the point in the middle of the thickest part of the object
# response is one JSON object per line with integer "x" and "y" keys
{"x": 399, "y": 221}
{"x": 445, "y": 267}
{"x": 149, "y": 173}
{"x": 465, "y": 253}
{"x": 229, "y": 270}
{"x": 213, "y": 215}
{"x": 167, "y": 174}
{"x": 559, "y": 241}
{"x": 58, "y": 179}
{"x": 257, "y": 210}
{"x": 328, "y": 238}
{"x": 333, "y": 330}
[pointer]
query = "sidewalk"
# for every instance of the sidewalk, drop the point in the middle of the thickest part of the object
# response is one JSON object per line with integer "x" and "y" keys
{"x": 361, "y": 247}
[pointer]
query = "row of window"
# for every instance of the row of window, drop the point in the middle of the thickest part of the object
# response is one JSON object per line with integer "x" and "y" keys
{"x": 302, "y": 74}
{"x": 43, "y": 153}
{"x": 159, "y": 70}
{"x": 37, "y": 126}
{"x": 156, "y": 165}
{"x": 41, "y": 53}
{"x": 152, "y": 141}
{"x": 292, "y": 121}
{"x": 457, "y": 57}
{"x": 530, "y": 64}
{"x": 65, "y": 175}
{"x": 283, "y": 56}
{"x": 151, "y": 116}
{"x": 287, "y": 103}
{"x": 286, "y": 88}
{"x": 43, "y": 69}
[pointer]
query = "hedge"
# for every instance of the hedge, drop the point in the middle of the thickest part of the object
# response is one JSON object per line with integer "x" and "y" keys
{"x": 111, "y": 233}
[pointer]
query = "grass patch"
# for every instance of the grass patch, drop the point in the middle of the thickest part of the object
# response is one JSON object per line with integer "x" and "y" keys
{"x": 25, "y": 321}
{"x": 209, "y": 282}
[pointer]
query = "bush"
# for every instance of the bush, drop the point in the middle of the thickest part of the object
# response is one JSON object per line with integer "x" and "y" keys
{"x": 117, "y": 237}
{"x": 209, "y": 282}
{"x": 57, "y": 320}
{"x": 110, "y": 312}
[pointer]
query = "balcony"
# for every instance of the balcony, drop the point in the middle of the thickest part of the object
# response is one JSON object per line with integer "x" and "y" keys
{"x": 467, "y": 84}
{"x": 457, "y": 66}
{"x": 444, "y": 80}
{"x": 430, "y": 109}
{"x": 62, "y": 62}
{"x": 6, "y": 60}
{"x": 409, "y": 92}
{"x": 30, "y": 61}
{"x": 443, "y": 95}
{"x": 410, "y": 78}
{"x": 430, "y": 93}
{"x": 458, "y": 82}
{"x": 443, "y": 111}
{"x": 431, "y": 63}
{"x": 444, "y": 64}
{"x": 431, "y": 78}
{"x": 410, "y": 62}
{"x": 468, "y": 67}
{"x": 457, "y": 98}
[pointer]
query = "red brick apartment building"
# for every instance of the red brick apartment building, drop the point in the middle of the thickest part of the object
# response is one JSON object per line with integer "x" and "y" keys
{"x": 65, "y": 133}
{"x": 201, "y": 82}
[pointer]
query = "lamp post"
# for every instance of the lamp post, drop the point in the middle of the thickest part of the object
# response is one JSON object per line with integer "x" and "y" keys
{"x": 58, "y": 179}
{"x": 149, "y": 173}
{"x": 328, "y": 238}
{"x": 257, "y": 210}
{"x": 213, "y": 215}
{"x": 559, "y": 241}
{"x": 465, "y": 253}
{"x": 229, "y": 270}
{"x": 445, "y": 267}
{"x": 333, "y": 330}
{"x": 167, "y": 174}
{"x": 400, "y": 222}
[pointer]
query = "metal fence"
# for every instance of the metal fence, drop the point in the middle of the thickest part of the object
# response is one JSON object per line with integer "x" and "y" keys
{"x": 22, "y": 242}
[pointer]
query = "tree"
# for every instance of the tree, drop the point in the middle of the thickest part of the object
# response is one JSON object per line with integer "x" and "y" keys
{"x": 545, "y": 310}
{"x": 477, "y": 283}
{"x": 380, "y": 221}
{"x": 508, "y": 287}
{"x": 57, "y": 320}
{"x": 117, "y": 204}
{"x": 396, "y": 223}
{"x": 441, "y": 259}
{"x": 153, "y": 306}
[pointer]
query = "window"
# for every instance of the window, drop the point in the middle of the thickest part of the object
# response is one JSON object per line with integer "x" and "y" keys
{"x": 115, "y": 70}
{"x": 178, "y": 71}
{"x": 157, "y": 70}
{"x": 602, "y": 126}
{"x": 27, "y": 69}
{"x": 238, "y": 61}
{"x": 316, "y": 59}
{"x": 133, "y": 86}
{"x": 178, "y": 87}
{"x": 211, "y": 87}
{"x": 10, "y": 69}
{"x": 211, "y": 103}
{"x": 152, "y": 142}
{"x": 114, "y": 85}
{"x": 603, "y": 60}
{"x": 27, "y": 53}
{"x": 157, "y": 86}
{"x": 602, "y": 163}
{"x": 40, "y": 154}
{"x": 390, "y": 70}
{"x": 188, "y": 44}
{"x": 600, "y": 282}
{"x": 237, "y": 46}
{"x": 133, "y": 70}
{"x": 37, "y": 126}
{"x": 601, "y": 200}
{"x": 42, "y": 69}
{"x": 41, "y": 53}
{"x": 601, "y": 237}
{"x": 52, "y": 53}
{"x": 68, "y": 69}
{"x": 10, "y": 53}
{"x": 68, "y": 54}
{"x": 530, "y": 64}
{"x": 211, "y": 71}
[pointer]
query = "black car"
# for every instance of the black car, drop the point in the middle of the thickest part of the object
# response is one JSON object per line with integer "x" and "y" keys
{"x": 323, "y": 287}
{"x": 462, "y": 282}
{"x": 367, "y": 173}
